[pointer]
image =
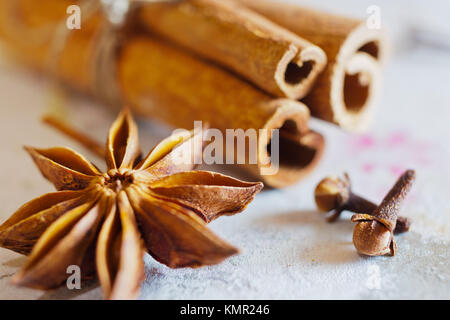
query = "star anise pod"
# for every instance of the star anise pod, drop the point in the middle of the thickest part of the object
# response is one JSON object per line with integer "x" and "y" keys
{"x": 105, "y": 221}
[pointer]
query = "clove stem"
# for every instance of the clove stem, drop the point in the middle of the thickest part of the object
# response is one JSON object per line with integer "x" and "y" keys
{"x": 390, "y": 206}
{"x": 358, "y": 204}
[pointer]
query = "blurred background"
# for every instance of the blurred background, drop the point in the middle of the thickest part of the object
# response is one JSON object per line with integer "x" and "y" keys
{"x": 288, "y": 251}
{"x": 410, "y": 23}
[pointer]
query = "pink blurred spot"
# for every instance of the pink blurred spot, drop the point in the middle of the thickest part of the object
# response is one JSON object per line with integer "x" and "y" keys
{"x": 412, "y": 197}
{"x": 381, "y": 193}
{"x": 422, "y": 146}
{"x": 397, "y": 139}
{"x": 368, "y": 167}
{"x": 424, "y": 161}
{"x": 397, "y": 170}
{"x": 364, "y": 142}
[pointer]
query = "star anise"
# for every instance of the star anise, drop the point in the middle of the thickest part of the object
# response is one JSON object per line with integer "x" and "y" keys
{"x": 104, "y": 222}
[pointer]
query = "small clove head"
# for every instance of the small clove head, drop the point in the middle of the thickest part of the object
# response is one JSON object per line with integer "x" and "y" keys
{"x": 332, "y": 192}
{"x": 372, "y": 238}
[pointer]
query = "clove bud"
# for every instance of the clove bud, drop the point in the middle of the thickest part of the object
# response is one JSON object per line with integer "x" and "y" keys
{"x": 373, "y": 234}
{"x": 334, "y": 195}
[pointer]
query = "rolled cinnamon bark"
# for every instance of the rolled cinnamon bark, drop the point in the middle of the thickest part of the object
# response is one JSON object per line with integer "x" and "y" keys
{"x": 269, "y": 56}
{"x": 347, "y": 91}
{"x": 29, "y": 28}
{"x": 163, "y": 82}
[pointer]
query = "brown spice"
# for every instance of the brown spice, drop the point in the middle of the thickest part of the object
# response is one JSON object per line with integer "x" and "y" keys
{"x": 157, "y": 204}
{"x": 346, "y": 92}
{"x": 334, "y": 195}
{"x": 373, "y": 234}
{"x": 271, "y": 57}
{"x": 161, "y": 81}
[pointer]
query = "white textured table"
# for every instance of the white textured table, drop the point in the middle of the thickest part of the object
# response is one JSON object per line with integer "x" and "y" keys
{"x": 288, "y": 250}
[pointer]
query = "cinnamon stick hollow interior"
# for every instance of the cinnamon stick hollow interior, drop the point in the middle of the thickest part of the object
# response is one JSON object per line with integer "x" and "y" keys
{"x": 269, "y": 56}
{"x": 162, "y": 82}
{"x": 347, "y": 91}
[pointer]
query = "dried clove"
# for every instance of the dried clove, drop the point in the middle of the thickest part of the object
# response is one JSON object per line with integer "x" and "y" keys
{"x": 373, "y": 235}
{"x": 334, "y": 195}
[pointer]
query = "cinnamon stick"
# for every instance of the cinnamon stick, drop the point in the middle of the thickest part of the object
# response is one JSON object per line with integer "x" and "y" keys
{"x": 272, "y": 58}
{"x": 347, "y": 91}
{"x": 29, "y": 29}
{"x": 163, "y": 82}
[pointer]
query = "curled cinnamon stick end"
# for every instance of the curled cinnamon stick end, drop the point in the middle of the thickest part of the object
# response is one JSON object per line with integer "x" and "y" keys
{"x": 347, "y": 91}
{"x": 271, "y": 57}
{"x": 300, "y": 149}
{"x": 162, "y": 82}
